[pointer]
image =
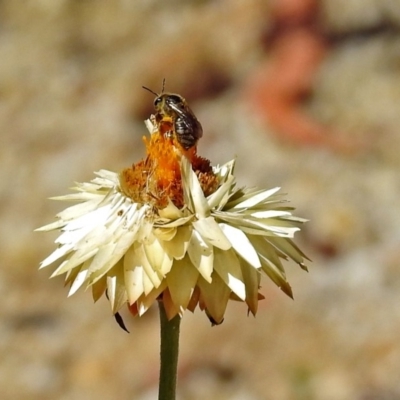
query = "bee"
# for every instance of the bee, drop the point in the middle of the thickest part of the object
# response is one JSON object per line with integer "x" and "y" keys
{"x": 186, "y": 126}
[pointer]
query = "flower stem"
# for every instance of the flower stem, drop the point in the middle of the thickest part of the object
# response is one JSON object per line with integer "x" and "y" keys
{"x": 168, "y": 354}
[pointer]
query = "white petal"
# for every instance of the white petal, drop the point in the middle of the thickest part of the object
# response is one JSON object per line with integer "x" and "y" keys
{"x": 241, "y": 244}
{"x": 51, "y": 227}
{"x": 255, "y": 226}
{"x": 109, "y": 177}
{"x": 74, "y": 260}
{"x": 256, "y": 199}
{"x": 81, "y": 196}
{"x": 148, "y": 284}
{"x": 227, "y": 265}
{"x": 89, "y": 220}
{"x": 78, "y": 282}
{"x": 270, "y": 214}
{"x": 99, "y": 288}
{"x": 79, "y": 210}
{"x": 133, "y": 281}
{"x": 158, "y": 259}
{"x": 55, "y": 255}
{"x": 193, "y": 192}
{"x": 116, "y": 288}
{"x": 220, "y": 197}
{"x": 215, "y": 296}
{"x": 145, "y": 302}
{"x": 201, "y": 255}
{"x": 136, "y": 257}
{"x": 181, "y": 282}
{"x": 212, "y": 233}
{"x": 177, "y": 247}
{"x": 266, "y": 250}
{"x": 100, "y": 261}
{"x": 80, "y": 279}
{"x": 225, "y": 170}
{"x": 86, "y": 239}
{"x": 165, "y": 234}
{"x": 276, "y": 276}
{"x": 171, "y": 212}
{"x": 288, "y": 247}
{"x": 251, "y": 279}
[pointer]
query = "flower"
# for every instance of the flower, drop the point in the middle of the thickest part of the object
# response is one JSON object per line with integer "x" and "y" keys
{"x": 176, "y": 229}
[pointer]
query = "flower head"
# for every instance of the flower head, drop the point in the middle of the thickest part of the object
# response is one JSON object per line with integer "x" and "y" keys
{"x": 173, "y": 228}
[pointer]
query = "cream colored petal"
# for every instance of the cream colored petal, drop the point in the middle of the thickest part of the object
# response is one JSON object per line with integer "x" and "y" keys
{"x": 245, "y": 198}
{"x": 276, "y": 276}
{"x": 76, "y": 259}
{"x": 71, "y": 275}
{"x": 78, "y": 210}
{"x": 287, "y": 232}
{"x": 101, "y": 262}
{"x": 164, "y": 233}
{"x": 150, "y": 126}
{"x": 227, "y": 265}
{"x": 220, "y": 197}
{"x": 160, "y": 223}
{"x": 116, "y": 288}
{"x": 288, "y": 247}
{"x": 171, "y": 212}
{"x": 74, "y": 236}
{"x": 136, "y": 257}
{"x": 215, "y": 296}
{"x": 270, "y": 214}
{"x": 181, "y": 281}
{"x": 266, "y": 250}
{"x": 51, "y": 227}
{"x": 78, "y": 282}
{"x": 99, "y": 288}
{"x": 80, "y": 278}
{"x": 89, "y": 219}
{"x": 105, "y": 177}
{"x": 241, "y": 244}
{"x": 56, "y": 254}
{"x": 133, "y": 282}
{"x": 171, "y": 309}
{"x": 174, "y": 223}
{"x": 157, "y": 258}
{"x": 225, "y": 170}
{"x": 145, "y": 302}
{"x": 90, "y": 240}
{"x": 201, "y": 255}
{"x": 81, "y": 196}
{"x": 255, "y": 226}
{"x": 251, "y": 279}
{"x": 193, "y": 192}
{"x": 177, "y": 247}
{"x": 148, "y": 285}
{"x": 212, "y": 233}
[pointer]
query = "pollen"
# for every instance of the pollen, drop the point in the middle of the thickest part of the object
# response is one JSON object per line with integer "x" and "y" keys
{"x": 157, "y": 179}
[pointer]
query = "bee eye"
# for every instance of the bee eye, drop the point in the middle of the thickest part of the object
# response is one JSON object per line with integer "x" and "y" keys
{"x": 157, "y": 101}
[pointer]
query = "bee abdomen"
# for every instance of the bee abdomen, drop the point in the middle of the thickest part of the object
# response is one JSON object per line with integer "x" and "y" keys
{"x": 185, "y": 134}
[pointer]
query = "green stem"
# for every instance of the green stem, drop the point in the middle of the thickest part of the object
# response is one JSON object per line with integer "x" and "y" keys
{"x": 168, "y": 354}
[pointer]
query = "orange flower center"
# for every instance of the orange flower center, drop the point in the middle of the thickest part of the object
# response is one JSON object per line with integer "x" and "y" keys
{"x": 157, "y": 179}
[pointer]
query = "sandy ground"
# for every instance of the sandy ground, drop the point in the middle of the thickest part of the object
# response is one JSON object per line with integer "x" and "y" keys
{"x": 71, "y": 103}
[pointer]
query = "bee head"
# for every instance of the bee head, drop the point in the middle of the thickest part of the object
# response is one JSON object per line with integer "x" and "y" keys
{"x": 167, "y": 103}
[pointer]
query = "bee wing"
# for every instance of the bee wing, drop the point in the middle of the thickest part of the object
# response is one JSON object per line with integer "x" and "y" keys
{"x": 188, "y": 117}
{"x": 181, "y": 112}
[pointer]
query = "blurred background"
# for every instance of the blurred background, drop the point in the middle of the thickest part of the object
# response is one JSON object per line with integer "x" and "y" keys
{"x": 306, "y": 95}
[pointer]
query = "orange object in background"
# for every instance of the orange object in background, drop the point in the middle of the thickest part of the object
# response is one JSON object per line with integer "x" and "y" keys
{"x": 278, "y": 87}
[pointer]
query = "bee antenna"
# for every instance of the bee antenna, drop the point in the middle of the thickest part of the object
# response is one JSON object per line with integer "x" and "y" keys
{"x": 163, "y": 86}
{"x": 146, "y": 88}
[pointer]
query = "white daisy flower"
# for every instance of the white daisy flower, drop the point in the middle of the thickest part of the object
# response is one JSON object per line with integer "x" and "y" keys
{"x": 175, "y": 229}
